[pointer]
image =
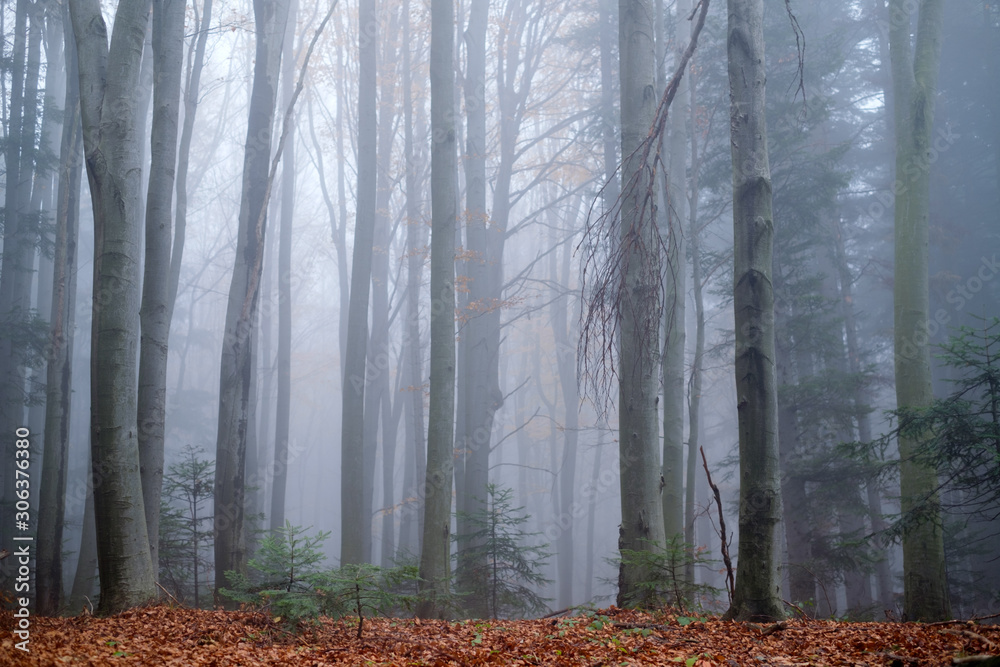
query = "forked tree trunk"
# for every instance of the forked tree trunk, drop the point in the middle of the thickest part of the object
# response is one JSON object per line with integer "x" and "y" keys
{"x": 108, "y": 105}
{"x": 757, "y": 594}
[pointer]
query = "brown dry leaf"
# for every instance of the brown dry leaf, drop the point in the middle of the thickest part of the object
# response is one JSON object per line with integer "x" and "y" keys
{"x": 162, "y": 635}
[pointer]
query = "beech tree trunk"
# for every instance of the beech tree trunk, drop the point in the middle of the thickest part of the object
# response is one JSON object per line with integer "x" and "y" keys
{"x": 638, "y": 351}
{"x": 237, "y": 351}
{"x": 112, "y": 148}
{"x": 914, "y": 79}
{"x": 479, "y": 379}
{"x": 435, "y": 566}
{"x": 674, "y": 219}
{"x": 355, "y": 511}
{"x": 157, "y": 308}
{"x": 282, "y": 420}
{"x": 757, "y": 594}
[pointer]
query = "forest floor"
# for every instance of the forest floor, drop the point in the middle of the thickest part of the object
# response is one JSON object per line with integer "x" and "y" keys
{"x": 162, "y": 635}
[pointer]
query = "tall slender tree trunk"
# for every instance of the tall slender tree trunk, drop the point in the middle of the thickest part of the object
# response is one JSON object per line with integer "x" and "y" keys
{"x": 59, "y": 367}
{"x": 566, "y": 367}
{"x": 237, "y": 351}
{"x": 694, "y": 399}
{"x": 914, "y": 78}
{"x": 757, "y": 594}
{"x": 192, "y": 92}
{"x": 16, "y": 244}
{"x": 384, "y": 408}
{"x": 87, "y": 576}
{"x": 674, "y": 219}
{"x": 435, "y": 563}
{"x": 157, "y": 309}
{"x": 355, "y": 520}
{"x": 638, "y": 351}
{"x": 282, "y": 420}
{"x": 795, "y": 508}
{"x": 410, "y": 528}
{"x": 480, "y": 330}
{"x": 862, "y": 401}
{"x": 108, "y": 105}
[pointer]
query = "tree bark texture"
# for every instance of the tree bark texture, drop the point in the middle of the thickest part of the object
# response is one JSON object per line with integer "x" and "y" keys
{"x": 914, "y": 79}
{"x": 237, "y": 350}
{"x": 435, "y": 566}
{"x": 757, "y": 594}
{"x": 156, "y": 310}
{"x": 639, "y": 343}
{"x": 355, "y": 521}
{"x": 108, "y": 88}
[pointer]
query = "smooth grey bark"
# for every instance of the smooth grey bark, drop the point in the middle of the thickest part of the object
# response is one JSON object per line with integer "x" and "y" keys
{"x": 411, "y": 526}
{"x": 479, "y": 394}
{"x": 282, "y": 418}
{"x": 59, "y": 366}
{"x": 674, "y": 220}
{"x": 568, "y": 385}
{"x": 192, "y": 91}
{"x": 237, "y": 350}
{"x": 638, "y": 349}
{"x": 914, "y": 79}
{"x": 108, "y": 109}
{"x": 384, "y": 407}
{"x": 156, "y": 309}
{"x": 435, "y": 566}
{"x": 697, "y": 363}
{"x": 757, "y": 594}
{"x": 355, "y": 522}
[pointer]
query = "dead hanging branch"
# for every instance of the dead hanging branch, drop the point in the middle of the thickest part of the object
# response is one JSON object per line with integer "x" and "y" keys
{"x": 730, "y": 582}
{"x": 607, "y": 251}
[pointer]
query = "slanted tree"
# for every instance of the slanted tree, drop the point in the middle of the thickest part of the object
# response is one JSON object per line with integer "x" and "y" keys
{"x": 757, "y": 591}
{"x": 109, "y": 111}
{"x": 914, "y": 81}
{"x": 237, "y": 350}
{"x": 157, "y": 308}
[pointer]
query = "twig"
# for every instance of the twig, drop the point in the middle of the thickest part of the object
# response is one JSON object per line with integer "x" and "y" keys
{"x": 796, "y": 608}
{"x": 970, "y": 633}
{"x": 957, "y": 621}
{"x": 981, "y": 660}
{"x": 179, "y": 603}
{"x": 730, "y": 581}
{"x": 774, "y": 627}
{"x": 644, "y": 626}
{"x": 901, "y": 658}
